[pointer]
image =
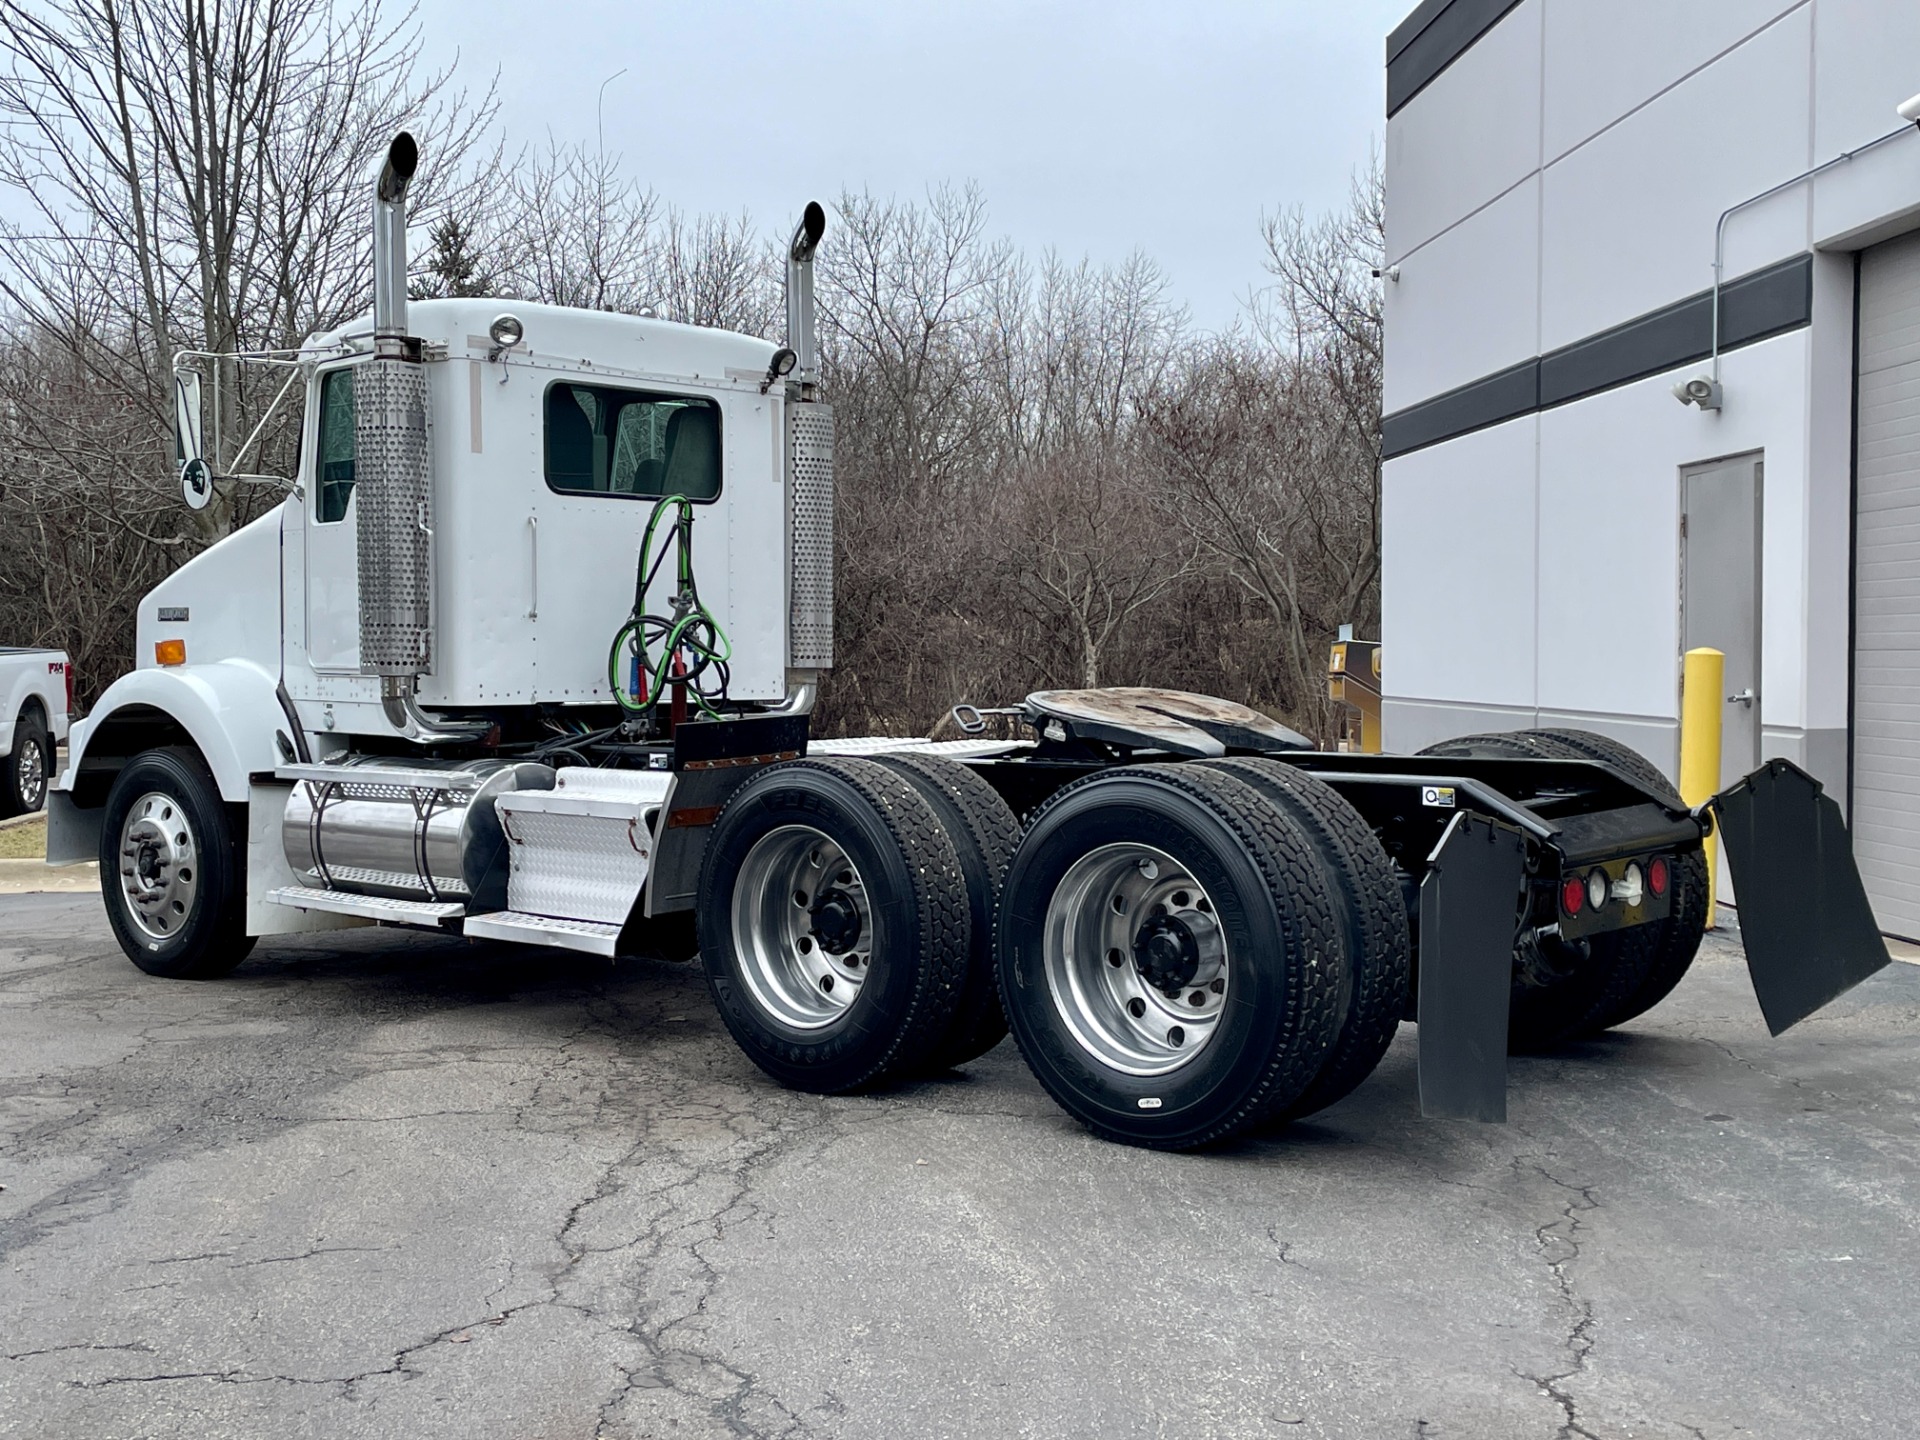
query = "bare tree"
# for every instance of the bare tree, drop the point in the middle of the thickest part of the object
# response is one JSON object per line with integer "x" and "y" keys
{"x": 576, "y": 231}
{"x": 713, "y": 271}
{"x": 193, "y": 175}
{"x": 1091, "y": 556}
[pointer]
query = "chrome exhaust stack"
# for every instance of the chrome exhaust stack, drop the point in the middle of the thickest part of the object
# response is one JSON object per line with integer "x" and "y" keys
{"x": 809, "y": 466}
{"x": 802, "y": 336}
{"x": 390, "y": 245}
{"x": 393, "y": 479}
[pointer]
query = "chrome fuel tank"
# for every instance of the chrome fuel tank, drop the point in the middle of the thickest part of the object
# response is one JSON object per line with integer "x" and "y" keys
{"x": 412, "y": 829}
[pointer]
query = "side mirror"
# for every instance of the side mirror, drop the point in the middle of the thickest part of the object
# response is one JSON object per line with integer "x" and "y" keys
{"x": 189, "y": 448}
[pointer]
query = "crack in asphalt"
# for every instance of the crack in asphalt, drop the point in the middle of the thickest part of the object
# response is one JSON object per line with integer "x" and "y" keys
{"x": 1558, "y": 1239}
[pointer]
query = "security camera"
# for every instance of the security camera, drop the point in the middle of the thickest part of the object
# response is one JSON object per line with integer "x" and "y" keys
{"x": 1700, "y": 391}
{"x": 1909, "y": 110}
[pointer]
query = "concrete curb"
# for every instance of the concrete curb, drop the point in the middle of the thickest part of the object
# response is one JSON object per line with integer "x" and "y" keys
{"x": 26, "y": 877}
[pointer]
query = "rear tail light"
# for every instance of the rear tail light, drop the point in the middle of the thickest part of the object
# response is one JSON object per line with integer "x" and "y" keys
{"x": 1573, "y": 894}
{"x": 69, "y": 689}
{"x": 1657, "y": 875}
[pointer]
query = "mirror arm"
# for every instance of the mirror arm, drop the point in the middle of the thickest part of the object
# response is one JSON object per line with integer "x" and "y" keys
{"x": 260, "y": 429}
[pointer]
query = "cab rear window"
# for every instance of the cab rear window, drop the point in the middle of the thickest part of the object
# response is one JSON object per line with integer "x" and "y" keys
{"x": 603, "y": 440}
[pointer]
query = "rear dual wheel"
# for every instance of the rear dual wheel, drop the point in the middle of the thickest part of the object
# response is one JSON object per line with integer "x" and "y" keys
{"x": 1560, "y": 993}
{"x": 985, "y": 834}
{"x": 834, "y": 924}
{"x": 1370, "y": 912}
{"x": 1172, "y": 960}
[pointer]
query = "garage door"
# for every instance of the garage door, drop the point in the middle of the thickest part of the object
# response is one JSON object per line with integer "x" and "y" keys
{"x": 1886, "y": 578}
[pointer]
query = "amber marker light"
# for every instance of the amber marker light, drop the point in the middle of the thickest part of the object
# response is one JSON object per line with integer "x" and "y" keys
{"x": 169, "y": 652}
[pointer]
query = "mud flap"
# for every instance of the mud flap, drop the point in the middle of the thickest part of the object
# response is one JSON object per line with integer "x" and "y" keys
{"x": 1809, "y": 932}
{"x": 1469, "y": 903}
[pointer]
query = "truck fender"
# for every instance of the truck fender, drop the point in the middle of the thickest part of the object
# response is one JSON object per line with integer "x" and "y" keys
{"x": 229, "y": 711}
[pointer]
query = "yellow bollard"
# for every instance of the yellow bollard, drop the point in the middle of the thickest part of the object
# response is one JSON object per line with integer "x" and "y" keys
{"x": 1701, "y": 704}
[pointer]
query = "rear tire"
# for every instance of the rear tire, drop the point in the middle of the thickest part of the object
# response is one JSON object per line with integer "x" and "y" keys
{"x": 172, "y": 871}
{"x": 1372, "y": 913}
{"x": 25, "y": 770}
{"x": 833, "y": 924}
{"x": 1679, "y": 934}
{"x": 1563, "y": 994}
{"x": 984, "y": 835}
{"x": 1170, "y": 958}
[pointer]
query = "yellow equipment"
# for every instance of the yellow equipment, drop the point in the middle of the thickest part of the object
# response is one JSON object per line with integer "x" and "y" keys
{"x": 1353, "y": 684}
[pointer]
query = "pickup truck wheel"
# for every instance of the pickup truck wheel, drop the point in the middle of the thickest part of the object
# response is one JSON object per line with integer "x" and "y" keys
{"x": 984, "y": 835}
{"x": 171, "y": 872}
{"x": 1560, "y": 992}
{"x": 1170, "y": 960}
{"x": 833, "y": 924}
{"x": 1680, "y": 932}
{"x": 24, "y": 772}
{"x": 1371, "y": 910}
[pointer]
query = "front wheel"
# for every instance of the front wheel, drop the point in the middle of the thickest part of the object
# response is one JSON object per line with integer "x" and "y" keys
{"x": 171, "y": 873}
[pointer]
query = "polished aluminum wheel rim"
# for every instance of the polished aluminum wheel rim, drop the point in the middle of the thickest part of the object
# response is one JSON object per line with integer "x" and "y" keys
{"x": 1136, "y": 960}
{"x": 159, "y": 865}
{"x": 30, "y": 774}
{"x": 802, "y": 927}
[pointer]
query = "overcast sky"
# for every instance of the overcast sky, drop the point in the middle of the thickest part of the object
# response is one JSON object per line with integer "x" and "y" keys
{"x": 1093, "y": 128}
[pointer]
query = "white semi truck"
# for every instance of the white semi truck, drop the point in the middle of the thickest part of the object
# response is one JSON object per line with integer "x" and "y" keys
{"x": 527, "y": 653}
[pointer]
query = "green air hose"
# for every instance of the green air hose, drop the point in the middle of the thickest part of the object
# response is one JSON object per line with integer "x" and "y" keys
{"x": 686, "y": 646}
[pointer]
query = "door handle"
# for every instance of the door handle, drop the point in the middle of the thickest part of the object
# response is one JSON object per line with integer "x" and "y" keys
{"x": 1745, "y": 697}
{"x": 533, "y": 537}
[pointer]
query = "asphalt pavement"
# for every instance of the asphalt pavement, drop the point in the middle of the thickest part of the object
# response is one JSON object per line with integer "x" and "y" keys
{"x": 389, "y": 1185}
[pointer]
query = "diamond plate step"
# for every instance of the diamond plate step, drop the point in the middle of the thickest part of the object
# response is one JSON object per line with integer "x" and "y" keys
{"x": 369, "y": 907}
{"x": 587, "y": 935}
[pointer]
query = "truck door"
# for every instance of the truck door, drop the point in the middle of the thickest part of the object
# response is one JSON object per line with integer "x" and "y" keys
{"x": 332, "y": 559}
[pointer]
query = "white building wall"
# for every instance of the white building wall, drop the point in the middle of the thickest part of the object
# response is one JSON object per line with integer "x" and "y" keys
{"x": 1561, "y": 177}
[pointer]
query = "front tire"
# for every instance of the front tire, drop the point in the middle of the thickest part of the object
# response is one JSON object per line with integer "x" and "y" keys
{"x": 25, "y": 770}
{"x": 1170, "y": 961}
{"x": 833, "y": 924}
{"x": 172, "y": 872}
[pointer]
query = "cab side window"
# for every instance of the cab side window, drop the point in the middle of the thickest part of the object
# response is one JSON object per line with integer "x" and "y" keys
{"x": 333, "y": 460}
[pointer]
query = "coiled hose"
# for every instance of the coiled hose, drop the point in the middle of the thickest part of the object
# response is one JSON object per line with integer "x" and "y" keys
{"x": 687, "y": 645}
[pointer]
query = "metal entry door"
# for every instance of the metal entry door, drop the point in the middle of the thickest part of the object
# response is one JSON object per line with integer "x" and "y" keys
{"x": 1720, "y": 593}
{"x": 1885, "y": 812}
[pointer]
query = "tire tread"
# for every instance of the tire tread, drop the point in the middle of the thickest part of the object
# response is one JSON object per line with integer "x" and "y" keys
{"x": 1367, "y": 888}
{"x": 993, "y": 834}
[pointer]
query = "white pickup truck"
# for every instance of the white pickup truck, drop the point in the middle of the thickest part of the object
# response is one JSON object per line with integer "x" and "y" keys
{"x": 36, "y": 692}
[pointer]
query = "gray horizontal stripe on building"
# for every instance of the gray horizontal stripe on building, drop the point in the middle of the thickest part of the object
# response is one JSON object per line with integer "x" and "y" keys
{"x": 1436, "y": 34}
{"x": 1754, "y": 307}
